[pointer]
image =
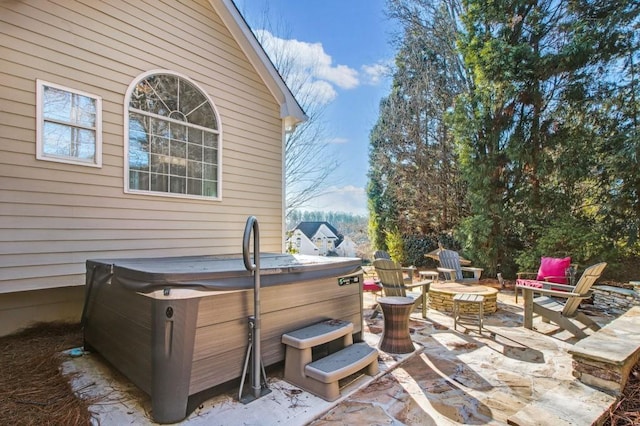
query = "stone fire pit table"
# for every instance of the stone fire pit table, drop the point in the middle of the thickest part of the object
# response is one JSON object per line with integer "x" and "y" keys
{"x": 441, "y": 296}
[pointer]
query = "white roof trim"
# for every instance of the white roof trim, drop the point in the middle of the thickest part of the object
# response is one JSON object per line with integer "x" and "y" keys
{"x": 290, "y": 110}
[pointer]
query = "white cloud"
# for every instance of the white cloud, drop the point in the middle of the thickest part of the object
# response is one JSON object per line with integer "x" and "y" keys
{"x": 341, "y": 75}
{"x": 312, "y": 70}
{"x": 375, "y": 73}
{"x": 347, "y": 199}
{"x": 318, "y": 90}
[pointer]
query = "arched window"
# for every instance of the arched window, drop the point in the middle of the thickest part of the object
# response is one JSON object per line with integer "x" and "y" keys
{"x": 174, "y": 138}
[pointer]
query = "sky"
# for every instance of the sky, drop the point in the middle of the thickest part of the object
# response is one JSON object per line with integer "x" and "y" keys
{"x": 349, "y": 41}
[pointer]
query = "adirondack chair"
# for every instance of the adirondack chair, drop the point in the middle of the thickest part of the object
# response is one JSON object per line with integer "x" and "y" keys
{"x": 381, "y": 254}
{"x": 562, "y": 314}
{"x": 393, "y": 284}
{"x": 552, "y": 269}
{"x": 452, "y": 269}
{"x": 435, "y": 255}
{"x": 408, "y": 271}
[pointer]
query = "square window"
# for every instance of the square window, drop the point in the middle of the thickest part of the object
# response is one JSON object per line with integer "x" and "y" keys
{"x": 158, "y": 127}
{"x": 159, "y": 164}
{"x": 178, "y": 149}
{"x": 195, "y": 136}
{"x": 138, "y": 160}
{"x": 139, "y": 180}
{"x": 159, "y": 183}
{"x": 211, "y": 140}
{"x": 178, "y": 131}
{"x": 159, "y": 145}
{"x": 195, "y": 152}
{"x": 209, "y": 172}
{"x": 194, "y": 186}
{"x": 210, "y": 156}
{"x": 178, "y": 167}
{"x": 69, "y": 125}
{"x": 195, "y": 169}
{"x": 178, "y": 185}
{"x": 209, "y": 188}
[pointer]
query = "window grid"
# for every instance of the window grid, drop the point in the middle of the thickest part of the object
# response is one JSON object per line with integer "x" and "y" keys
{"x": 168, "y": 154}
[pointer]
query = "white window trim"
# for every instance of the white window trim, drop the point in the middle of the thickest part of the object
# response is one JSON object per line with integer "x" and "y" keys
{"x": 127, "y": 100}
{"x": 40, "y": 155}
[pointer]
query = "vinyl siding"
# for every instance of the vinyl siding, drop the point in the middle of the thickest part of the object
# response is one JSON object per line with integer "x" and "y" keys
{"x": 54, "y": 216}
{"x": 21, "y": 309}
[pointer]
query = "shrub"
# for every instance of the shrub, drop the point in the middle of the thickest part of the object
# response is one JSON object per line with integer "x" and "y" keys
{"x": 395, "y": 245}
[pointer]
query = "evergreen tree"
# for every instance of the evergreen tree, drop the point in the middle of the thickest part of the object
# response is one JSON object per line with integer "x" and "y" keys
{"x": 526, "y": 137}
{"x": 535, "y": 107}
{"x": 414, "y": 187}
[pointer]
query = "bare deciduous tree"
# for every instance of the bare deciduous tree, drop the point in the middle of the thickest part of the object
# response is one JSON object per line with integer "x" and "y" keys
{"x": 310, "y": 161}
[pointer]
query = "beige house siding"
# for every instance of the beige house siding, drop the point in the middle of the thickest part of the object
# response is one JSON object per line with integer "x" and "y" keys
{"x": 54, "y": 216}
{"x": 21, "y": 309}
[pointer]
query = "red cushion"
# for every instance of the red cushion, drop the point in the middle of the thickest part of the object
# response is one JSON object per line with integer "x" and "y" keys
{"x": 553, "y": 267}
{"x": 529, "y": 283}
{"x": 535, "y": 284}
{"x": 370, "y": 285}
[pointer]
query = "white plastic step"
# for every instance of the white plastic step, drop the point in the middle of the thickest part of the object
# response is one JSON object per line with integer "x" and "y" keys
{"x": 317, "y": 334}
{"x": 343, "y": 363}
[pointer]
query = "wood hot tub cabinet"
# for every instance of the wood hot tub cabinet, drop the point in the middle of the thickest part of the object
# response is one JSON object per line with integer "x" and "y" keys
{"x": 178, "y": 326}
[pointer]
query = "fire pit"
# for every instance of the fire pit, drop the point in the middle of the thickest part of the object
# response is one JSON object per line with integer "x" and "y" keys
{"x": 441, "y": 296}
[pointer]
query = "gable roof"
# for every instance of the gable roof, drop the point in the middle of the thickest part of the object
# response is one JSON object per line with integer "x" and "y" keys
{"x": 290, "y": 110}
{"x": 310, "y": 228}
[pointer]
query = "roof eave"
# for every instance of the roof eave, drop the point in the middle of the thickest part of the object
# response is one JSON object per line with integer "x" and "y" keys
{"x": 290, "y": 110}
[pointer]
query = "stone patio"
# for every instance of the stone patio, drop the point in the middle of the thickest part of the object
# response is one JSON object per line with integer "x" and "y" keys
{"x": 453, "y": 378}
{"x": 468, "y": 378}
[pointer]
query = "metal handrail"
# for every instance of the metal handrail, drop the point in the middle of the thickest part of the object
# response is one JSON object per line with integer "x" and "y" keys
{"x": 252, "y": 225}
{"x": 255, "y": 324}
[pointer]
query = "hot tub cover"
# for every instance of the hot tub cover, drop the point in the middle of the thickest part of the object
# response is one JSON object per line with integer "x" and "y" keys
{"x": 216, "y": 272}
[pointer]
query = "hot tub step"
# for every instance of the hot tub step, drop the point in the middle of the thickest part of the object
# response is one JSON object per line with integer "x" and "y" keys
{"x": 321, "y": 376}
{"x": 318, "y": 334}
{"x": 340, "y": 364}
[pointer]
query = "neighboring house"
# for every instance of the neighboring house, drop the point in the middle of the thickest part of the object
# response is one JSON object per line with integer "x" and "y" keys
{"x": 130, "y": 131}
{"x": 347, "y": 248}
{"x": 321, "y": 239}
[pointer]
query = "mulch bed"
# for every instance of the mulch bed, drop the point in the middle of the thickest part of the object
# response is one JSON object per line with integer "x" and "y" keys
{"x": 33, "y": 391}
{"x": 627, "y": 411}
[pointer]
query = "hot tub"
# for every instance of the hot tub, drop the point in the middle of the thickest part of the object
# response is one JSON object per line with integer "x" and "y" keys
{"x": 178, "y": 326}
